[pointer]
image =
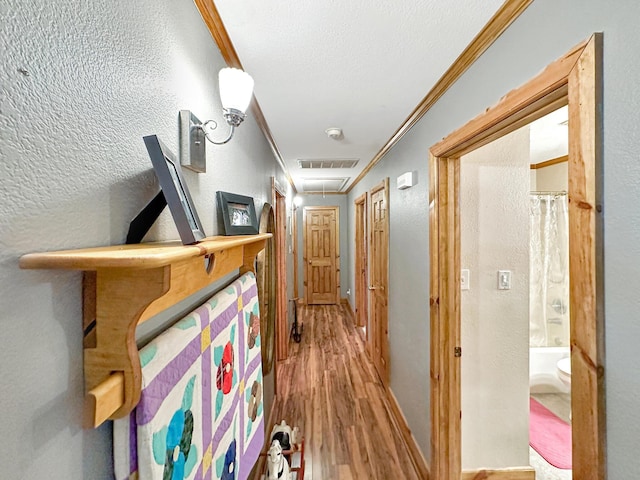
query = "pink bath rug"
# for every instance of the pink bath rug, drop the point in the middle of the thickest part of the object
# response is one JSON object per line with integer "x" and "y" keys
{"x": 549, "y": 436}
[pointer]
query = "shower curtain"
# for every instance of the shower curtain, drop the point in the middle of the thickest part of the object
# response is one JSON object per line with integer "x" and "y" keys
{"x": 549, "y": 270}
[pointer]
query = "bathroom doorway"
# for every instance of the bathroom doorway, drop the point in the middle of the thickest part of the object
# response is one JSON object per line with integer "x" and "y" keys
{"x": 573, "y": 80}
{"x": 549, "y": 299}
{"x": 514, "y": 245}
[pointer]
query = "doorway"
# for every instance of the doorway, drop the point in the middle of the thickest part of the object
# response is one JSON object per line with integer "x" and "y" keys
{"x": 379, "y": 278}
{"x": 573, "y": 80}
{"x": 321, "y": 255}
{"x": 282, "y": 329}
{"x": 361, "y": 263}
{"x": 515, "y": 302}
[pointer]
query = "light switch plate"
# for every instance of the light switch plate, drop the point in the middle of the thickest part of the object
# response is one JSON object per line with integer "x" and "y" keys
{"x": 464, "y": 279}
{"x": 504, "y": 279}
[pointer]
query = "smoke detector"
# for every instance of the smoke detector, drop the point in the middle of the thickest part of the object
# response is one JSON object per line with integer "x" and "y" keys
{"x": 334, "y": 133}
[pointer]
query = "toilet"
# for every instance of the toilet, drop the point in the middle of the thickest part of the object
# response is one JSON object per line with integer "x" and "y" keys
{"x": 564, "y": 371}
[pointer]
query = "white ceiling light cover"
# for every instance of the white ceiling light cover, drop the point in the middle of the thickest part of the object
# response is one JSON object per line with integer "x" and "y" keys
{"x": 323, "y": 185}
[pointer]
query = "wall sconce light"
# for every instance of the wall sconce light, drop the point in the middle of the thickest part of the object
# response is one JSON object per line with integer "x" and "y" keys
{"x": 236, "y": 90}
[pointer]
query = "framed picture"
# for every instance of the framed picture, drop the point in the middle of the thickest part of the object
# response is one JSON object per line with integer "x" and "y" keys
{"x": 175, "y": 191}
{"x": 238, "y": 214}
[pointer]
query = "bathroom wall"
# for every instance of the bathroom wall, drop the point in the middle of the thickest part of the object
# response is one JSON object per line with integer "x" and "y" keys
{"x": 81, "y": 83}
{"x": 494, "y": 232}
{"x": 554, "y": 178}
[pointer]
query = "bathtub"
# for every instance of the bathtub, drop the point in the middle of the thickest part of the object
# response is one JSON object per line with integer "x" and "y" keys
{"x": 543, "y": 376}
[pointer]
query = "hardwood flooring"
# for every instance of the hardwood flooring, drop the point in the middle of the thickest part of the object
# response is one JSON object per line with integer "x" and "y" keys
{"x": 329, "y": 389}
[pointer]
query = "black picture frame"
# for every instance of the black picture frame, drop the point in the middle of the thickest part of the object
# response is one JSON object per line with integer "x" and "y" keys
{"x": 238, "y": 213}
{"x": 175, "y": 191}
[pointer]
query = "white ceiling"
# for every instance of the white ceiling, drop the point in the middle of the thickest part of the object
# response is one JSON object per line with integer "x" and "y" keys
{"x": 360, "y": 65}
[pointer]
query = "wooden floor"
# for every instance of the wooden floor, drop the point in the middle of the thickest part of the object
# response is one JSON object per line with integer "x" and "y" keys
{"x": 328, "y": 387}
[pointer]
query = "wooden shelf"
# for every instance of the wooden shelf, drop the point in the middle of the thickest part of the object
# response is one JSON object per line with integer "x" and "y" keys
{"x": 125, "y": 285}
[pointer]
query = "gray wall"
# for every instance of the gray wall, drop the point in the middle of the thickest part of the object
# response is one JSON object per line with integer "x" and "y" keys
{"x": 408, "y": 281}
{"x": 543, "y": 33}
{"x": 73, "y": 172}
{"x": 313, "y": 200}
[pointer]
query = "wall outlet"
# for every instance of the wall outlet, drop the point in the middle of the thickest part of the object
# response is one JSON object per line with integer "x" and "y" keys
{"x": 464, "y": 279}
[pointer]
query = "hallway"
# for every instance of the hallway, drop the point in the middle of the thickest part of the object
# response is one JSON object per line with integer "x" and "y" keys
{"x": 329, "y": 388}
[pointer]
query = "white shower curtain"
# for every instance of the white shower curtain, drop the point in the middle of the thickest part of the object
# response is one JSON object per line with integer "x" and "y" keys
{"x": 549, "y": 271}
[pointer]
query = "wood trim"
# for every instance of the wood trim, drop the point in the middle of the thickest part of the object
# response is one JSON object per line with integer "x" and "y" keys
{"x": 361, "y": 260}
{"x": 435, "y": 369}
{"x": 219, "y": 33}
{"x": 415, "y": 454}
{"x": 347, "y": 305}
{"x": 444, "y": 254}
{"x": 505, "y": 16}
{"x": 294, "y": 249}
{"x": 575, "y": 80}
{"x": 282, "y": 329}
{"x": 338, "y": 265}
{"x": 541, "y": 95}
{"x": 548, "y": 163}
{"x": 525, "y": 473}
{"x": 586, "y": 264}
{"x": 162, "y": 274}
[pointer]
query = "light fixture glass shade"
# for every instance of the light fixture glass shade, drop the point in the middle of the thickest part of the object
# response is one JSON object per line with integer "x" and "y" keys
{"x": 236, "y": 89}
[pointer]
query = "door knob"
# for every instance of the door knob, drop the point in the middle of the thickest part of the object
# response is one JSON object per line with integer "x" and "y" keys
{"x": 371, "y": 287}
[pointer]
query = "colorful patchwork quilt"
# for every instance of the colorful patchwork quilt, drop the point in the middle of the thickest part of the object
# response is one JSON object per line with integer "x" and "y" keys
{"x": 200, "y": 414}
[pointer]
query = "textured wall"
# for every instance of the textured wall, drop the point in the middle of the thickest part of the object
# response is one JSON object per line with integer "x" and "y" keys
{"x": 73, "y": 172}
{"x": 408, "y": 280}
{"x": 494, "y": 235}
{"x": 545, "y": 31}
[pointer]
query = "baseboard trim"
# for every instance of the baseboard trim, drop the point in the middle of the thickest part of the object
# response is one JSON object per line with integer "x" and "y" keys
{"x": 345, "y": 302}
{"x": 516, "y": 473}
{"x": 415, "y": 454}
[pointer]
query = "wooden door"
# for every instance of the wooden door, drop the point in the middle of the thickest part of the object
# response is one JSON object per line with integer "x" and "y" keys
{"x": 378, "y": 278}
{"x": 321, "y": 255}
{"x": 362, "y": 262}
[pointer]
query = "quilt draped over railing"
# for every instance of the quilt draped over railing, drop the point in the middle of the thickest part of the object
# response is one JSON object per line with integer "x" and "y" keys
{"x": 200, "y": 415}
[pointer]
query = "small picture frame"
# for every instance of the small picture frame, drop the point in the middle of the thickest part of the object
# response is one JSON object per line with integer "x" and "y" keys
{"x": 175, "y": 191}
{"x": 238, "y": 214}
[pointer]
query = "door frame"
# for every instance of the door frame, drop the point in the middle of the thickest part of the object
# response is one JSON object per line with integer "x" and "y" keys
{"x": 305, "y": 260}
{"x": 361, "y": 262}
{"x": 282, "y": 328}
{"x": 574, "y": 80}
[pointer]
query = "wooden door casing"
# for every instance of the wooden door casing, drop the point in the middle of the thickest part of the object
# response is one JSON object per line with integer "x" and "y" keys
{"x": 361, "y": 262}
{"x": 574, "y": 79}
{"x": 282, "y": 337}
{"x": 379, "y": 278}
{"x": 321, "y": 255}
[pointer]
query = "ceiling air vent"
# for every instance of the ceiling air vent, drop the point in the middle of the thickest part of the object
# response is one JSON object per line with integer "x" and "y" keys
{"x": 323, "y": 185}
{"x": 327, "y": 162}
